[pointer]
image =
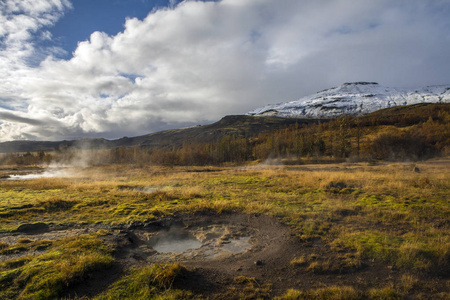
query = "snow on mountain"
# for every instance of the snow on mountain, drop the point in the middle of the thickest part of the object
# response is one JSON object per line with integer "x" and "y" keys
{"x": 354, "y": 98}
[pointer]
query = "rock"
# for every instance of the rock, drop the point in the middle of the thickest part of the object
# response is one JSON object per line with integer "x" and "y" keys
{"x": 336, "y": 186}
{"x": 34, "y": 227}
{"x": 259, "y": 263}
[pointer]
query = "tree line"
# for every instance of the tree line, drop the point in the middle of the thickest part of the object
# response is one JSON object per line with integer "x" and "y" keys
{"x": 418, "y": 134}
{"x": 338, "y": 140}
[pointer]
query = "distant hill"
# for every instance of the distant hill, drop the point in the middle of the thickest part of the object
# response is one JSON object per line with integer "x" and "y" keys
{"x": 238, "y": 125}
{"x": 354, "y": 98}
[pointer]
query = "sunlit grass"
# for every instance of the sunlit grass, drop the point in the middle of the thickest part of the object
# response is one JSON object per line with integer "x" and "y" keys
{"x": 47, "y": 275}
{"x": 331, "y": 293}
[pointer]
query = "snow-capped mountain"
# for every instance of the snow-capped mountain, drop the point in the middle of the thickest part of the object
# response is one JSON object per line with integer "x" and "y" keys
{"x": 354, "y": 98}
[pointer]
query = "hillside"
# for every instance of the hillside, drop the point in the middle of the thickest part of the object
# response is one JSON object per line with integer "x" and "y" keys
{"x": 354, "y": 98}
{"x": 407, "y": 133}
{"x": 240, "y": 125}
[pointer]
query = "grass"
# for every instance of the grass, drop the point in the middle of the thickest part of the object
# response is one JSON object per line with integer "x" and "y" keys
{"x": 361, "y": 213}
{"x": 242, "y": 287}
{"x": 47, "y": 275}
{"x": 299, "y": 261}
{"x": 24, "y": 244}
{"x": 329, "y": 293}
{"x": 150, "y": 282}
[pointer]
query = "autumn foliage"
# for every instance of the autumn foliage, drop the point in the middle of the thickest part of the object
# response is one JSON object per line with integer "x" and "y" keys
{"x": 421, "y": 132}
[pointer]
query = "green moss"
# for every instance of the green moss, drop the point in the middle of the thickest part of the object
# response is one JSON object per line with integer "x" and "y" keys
{"x": 379, "y": 200}
{"x": 374, "y": 244}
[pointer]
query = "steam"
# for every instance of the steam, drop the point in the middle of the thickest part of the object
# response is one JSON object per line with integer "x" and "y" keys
{"x": 269, "y": 163}
{"x": 175, "y": 240}
{"x": 81, "y": 155}
{"x": 46, "y": 174}
{"x": 67, "y": 162}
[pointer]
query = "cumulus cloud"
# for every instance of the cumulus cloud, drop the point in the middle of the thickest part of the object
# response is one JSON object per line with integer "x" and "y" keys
{"x": 197, "y": 61}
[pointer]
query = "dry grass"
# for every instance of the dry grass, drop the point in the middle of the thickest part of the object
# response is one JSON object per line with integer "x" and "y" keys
{"x": 45, "y": 276}
{"x": 148, "y": 283}
{"x": 328, "y": 293}
{"x": 361, "y": 212}
{"x": 299, "y": 261}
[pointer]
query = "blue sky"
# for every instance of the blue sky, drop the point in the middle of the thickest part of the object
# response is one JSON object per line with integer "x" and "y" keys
{"x": 107, "y": 16}
{"x": 107, "y": 68}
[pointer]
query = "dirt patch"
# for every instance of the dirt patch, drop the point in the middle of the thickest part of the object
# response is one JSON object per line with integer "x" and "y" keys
{"x": 196, "y": 242}
{"x": 201, "y": 238}
{"x": 49, "y": 233}
{"x": 218, "y": 247}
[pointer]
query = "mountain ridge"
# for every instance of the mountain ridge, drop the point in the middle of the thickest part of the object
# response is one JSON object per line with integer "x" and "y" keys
{"x": 353, "y": 98}
{"x": 237, "y": 125}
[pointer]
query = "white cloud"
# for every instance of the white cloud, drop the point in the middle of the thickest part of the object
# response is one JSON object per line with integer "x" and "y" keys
{"x": 198, "y": 61}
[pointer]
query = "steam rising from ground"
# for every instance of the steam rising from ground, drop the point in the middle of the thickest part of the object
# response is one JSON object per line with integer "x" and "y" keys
{"x": 51, "y": 172}
{"x": 176, "y": 239}
{"x": 66, "y": 163}
{"x": 268, "y": 163}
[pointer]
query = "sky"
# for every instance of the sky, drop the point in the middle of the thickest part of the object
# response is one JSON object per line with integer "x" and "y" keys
{"x": 113, "y": 68}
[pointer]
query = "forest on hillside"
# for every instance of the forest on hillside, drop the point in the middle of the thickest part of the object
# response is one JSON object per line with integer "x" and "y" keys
{"x": 398, "y": 134}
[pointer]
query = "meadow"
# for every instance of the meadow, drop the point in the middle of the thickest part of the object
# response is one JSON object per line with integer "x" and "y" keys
{"x": 356, "y": 231}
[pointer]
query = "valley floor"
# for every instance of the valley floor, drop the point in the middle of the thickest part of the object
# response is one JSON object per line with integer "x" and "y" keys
{"x": 330, "y": 231}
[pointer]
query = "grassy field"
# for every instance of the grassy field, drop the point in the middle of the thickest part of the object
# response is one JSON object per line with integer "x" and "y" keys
{"x": 353, "y": 223}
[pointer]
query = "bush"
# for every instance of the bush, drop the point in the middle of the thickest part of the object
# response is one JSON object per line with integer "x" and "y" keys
{"x": 400, "y": 146}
